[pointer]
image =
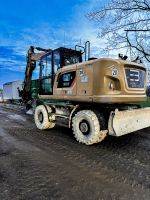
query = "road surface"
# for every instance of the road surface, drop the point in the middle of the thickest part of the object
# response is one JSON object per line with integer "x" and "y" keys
{"x": 41, "y": 165}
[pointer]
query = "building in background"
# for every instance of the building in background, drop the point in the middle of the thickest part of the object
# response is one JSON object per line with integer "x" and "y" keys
{"x": 10, "y": 91}
{"x": 1, "y": 95}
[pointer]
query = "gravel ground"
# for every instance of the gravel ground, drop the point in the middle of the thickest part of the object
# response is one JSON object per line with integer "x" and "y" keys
{"x": 40, "y": 165}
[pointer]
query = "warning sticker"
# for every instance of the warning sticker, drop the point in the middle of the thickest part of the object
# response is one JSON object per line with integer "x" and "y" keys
{"x": 84, "y": 79}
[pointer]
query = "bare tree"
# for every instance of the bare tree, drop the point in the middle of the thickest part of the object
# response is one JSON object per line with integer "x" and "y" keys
{"x": 125, "y": 24}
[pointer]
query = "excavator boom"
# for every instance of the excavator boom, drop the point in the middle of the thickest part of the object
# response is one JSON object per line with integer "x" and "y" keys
{"x": 32, "y": 58}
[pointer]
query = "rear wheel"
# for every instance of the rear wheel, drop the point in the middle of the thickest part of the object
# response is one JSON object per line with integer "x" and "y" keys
{"x": 88, "y": 127}
{"x": 41, "y": 118}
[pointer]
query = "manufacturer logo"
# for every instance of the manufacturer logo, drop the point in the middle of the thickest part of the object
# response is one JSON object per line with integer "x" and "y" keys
{"x": 114, "y": 72}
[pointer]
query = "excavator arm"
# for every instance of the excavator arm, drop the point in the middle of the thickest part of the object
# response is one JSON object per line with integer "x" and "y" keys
{"x": 32, "y": 58}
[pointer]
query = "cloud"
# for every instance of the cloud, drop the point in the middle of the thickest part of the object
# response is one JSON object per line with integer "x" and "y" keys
{"x": 9, "y": 60}
{"x": 16, "y": 39}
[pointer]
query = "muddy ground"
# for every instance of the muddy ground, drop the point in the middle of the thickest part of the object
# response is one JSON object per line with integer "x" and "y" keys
{"x": 43, "y": 165}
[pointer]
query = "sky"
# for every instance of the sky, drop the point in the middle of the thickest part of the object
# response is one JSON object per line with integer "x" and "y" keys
{"x": 44, "y": 23}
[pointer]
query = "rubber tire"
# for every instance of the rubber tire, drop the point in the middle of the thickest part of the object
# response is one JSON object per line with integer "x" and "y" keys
{"x": 95, "y": 135}
{"x": 46, "y": 124}
{"x": 51, "y": 124}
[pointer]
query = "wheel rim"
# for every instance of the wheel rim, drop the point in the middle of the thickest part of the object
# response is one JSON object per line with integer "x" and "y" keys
{"x": 84, "y": 127}
{"x": 40, "y": 117}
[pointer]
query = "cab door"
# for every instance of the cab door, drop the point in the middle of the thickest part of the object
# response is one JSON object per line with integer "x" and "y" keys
{"x": 46, "y": 75}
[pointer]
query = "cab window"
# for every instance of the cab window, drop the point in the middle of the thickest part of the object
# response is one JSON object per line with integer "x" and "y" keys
{"x": 66, "y": 79}
{"x": 56, "y": 61}
{"x": 46, "y": 66}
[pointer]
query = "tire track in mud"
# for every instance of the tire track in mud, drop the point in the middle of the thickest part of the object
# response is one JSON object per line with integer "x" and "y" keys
{"x": 96, "y": 164}
{"x": 117, "y": 168}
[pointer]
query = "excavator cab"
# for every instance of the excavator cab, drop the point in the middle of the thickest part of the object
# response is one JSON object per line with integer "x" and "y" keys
{"x": 51, "y": 62}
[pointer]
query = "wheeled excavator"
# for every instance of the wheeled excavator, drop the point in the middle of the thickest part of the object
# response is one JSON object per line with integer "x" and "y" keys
{"x": 95, "y": 97}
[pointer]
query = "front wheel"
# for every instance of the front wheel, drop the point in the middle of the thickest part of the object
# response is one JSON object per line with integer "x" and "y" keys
{"x": 41, "y": 118}
{"x": 86, "y": 126}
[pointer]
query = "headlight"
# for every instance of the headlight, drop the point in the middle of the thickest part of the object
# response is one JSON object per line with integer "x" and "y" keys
{"x": 111, "y": 86}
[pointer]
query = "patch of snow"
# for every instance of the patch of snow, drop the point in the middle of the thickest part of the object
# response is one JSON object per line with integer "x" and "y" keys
{"x": 17, "y": 117}
{"x": 3, "y": 112}
{"x": 30, "y": 112}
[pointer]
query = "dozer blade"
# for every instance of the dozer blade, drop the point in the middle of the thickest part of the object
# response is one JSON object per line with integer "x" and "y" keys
{"x": 124, "y": 122}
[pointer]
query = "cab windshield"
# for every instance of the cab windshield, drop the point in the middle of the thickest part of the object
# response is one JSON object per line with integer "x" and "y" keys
{"x": 71, "y": 60}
